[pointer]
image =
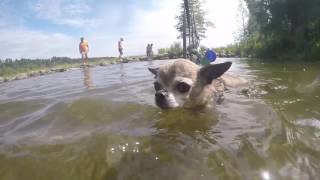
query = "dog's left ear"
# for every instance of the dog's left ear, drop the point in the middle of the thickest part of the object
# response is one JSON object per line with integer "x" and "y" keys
{"x": 208, "y": 73}
{"x": 154, "y": 71}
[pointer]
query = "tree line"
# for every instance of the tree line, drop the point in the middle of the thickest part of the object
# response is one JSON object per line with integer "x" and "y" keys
{"x": 269, "y": 29}
{"x": 10, "y": 67}
{"x": 281, "y": 28}
{"x": 192, "y": 25}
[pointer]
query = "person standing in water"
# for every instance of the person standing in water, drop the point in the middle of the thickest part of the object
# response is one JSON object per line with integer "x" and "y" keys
{"x": 84, "y": 49}
{"x": 120, "y": 48}
{"x": 151, "y": 50}
{"x": 148, "y": 50}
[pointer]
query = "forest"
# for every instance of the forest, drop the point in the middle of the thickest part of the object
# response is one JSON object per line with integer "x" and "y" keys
{"x": 288, "y": 29}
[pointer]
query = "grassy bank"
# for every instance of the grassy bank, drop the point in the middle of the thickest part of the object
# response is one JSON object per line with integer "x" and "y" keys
{"x": 24, "y": 68}
{"x": 9, "y": 68}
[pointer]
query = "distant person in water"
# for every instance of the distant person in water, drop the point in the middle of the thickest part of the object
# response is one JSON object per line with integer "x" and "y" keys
{"x": 120, "y": 48}
{"x": 151, "y": 50}
{"x": 148, "y": 50}
{"x": 84, "y": 49}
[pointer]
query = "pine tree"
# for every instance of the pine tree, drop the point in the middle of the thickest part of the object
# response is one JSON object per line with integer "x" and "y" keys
{"x": 192, "y": 23}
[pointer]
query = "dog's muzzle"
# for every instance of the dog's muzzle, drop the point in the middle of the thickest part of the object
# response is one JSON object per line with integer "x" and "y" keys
{"x": 162, "y": 94}
{"x": 164, "y": 99}
{"x": 161, "y": 98}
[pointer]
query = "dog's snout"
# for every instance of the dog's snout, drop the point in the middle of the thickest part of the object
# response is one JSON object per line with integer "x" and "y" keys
{"x": 158, "y": 95}
{"x": 161, "y": 94}
{"x": 162, "y": 99}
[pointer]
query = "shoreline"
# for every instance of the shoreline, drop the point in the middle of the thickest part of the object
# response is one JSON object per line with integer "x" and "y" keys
{"x": 66, "y": 67}
{"x": 93, "y": 62}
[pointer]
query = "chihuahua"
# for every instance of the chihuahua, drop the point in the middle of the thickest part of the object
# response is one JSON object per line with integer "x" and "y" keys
{"x": 182, "y": 83}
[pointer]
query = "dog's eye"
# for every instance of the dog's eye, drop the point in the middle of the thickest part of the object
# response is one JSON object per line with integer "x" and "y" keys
{"x": 157, "y": 86}
{"x": 183, "y": 87}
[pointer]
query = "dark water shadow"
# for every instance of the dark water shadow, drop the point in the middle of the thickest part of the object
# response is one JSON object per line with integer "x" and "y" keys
{"x": 174, "y": 151}
{"x": 122, "y": 72}
{"x": 87, "y": 79}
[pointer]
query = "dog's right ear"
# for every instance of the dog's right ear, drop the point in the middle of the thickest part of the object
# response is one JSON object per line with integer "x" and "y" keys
{"x": 211, "y": 72}
{"x": 154, "y": 71}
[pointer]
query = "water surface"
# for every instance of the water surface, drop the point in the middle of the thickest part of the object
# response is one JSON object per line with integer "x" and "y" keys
{"x": 101, "y": 123}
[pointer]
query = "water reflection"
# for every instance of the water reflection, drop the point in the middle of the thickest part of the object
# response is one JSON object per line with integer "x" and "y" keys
{"x": 311, "y": 87}
{"x": 87, "y": 80}
{"x": 265, "y": 175}
{"x": 123, "y": 74}
{"x": 150, "y": 63}
{"x": 187, "y": 121}
{"x": 122, "y": 71}
{"x": 95, "y": 137}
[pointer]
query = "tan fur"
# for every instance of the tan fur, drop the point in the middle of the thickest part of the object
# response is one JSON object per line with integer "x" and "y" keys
{"x": 168, "y": 75}
{"x": 180, "y": 67}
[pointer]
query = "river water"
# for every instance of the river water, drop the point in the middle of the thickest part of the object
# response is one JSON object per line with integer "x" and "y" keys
{"x": 101, "y": 123}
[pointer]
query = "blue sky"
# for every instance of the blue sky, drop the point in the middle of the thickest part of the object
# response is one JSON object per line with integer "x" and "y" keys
{"x": 46, "y": 28}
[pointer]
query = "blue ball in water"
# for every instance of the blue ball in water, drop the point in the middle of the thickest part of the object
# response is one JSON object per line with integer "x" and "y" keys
{"x": 211, "y": 55}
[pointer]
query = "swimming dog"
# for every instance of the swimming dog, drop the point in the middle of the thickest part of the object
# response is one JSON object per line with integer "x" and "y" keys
{"x": 182, "y": 83}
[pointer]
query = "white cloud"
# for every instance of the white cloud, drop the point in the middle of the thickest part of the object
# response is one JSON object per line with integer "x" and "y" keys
{"x": 155, "y": 27}
{"x": 223, "y": 15}
{"x": 72, "y": 13}
{"x": 76, "y": 9}
{"x": 101, "y": 46}
{"x": 139, "y": 27}
{"x": 30, "y": 44}
{"x": 48, "y": 9}
{"x": 142, "y": 27}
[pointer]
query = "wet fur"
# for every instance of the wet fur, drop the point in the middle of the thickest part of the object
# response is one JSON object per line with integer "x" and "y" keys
{"x": 205, "y": 82}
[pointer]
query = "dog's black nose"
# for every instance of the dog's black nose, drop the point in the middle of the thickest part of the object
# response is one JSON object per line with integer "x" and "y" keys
{"x": 161, "y": 98}
{"x": 161, "y": 94}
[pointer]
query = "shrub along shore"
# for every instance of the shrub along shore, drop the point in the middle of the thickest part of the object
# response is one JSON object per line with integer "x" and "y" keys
{"x": 26, "y": 68}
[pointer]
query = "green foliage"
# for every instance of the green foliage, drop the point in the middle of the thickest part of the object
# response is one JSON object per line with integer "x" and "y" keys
{"x": 199, "y": 23}
{"x": 202, "y": 49}
{"x": 9, "y": 67}
{"x": 278, "y": 28}
{"x": 162, "y": 51}
{"x": 231, "y": 50}
{"x": 174, "y": 51}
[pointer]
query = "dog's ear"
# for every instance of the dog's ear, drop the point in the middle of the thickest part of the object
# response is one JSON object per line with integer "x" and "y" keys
{"x": 208, "y": 73}
{"x": 154, "y": 71}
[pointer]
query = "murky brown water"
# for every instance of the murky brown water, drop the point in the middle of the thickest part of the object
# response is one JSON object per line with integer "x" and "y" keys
{"x": 101, "y": 123}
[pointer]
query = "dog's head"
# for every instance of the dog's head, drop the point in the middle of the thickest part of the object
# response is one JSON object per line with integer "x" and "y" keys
{"x": 182, "y": 83}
